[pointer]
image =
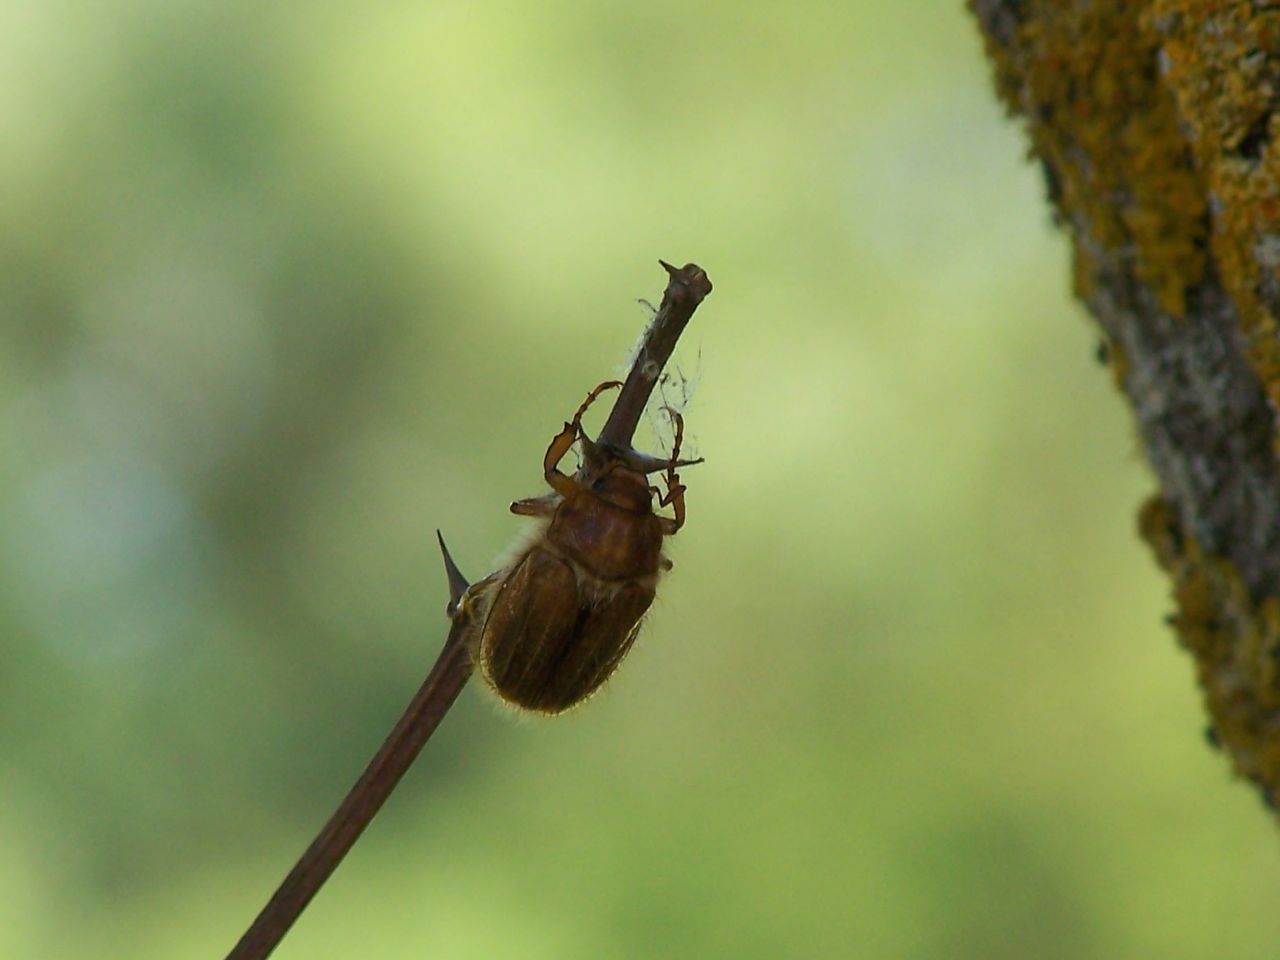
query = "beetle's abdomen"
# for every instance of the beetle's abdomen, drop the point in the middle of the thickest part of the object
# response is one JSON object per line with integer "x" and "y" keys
{"x": 612, "y": 543}
{"x": 549, "y": 641}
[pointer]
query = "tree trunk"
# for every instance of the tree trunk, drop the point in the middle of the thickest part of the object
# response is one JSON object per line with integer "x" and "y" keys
{"x": 1153, "y": 121}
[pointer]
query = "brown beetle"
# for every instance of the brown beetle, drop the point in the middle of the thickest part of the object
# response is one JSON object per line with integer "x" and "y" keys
{"x": 555, "y": 623}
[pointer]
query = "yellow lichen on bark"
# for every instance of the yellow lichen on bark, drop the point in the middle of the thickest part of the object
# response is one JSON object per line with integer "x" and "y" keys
{"x": 1170, "y": 106}
{"x": 1119, "y": 161}
{"x": 1221, "y": 62}
{"x": 1234, "y": 641}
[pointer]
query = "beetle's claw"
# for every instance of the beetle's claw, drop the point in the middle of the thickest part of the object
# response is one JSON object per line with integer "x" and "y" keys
{"x": 457, "y": 582}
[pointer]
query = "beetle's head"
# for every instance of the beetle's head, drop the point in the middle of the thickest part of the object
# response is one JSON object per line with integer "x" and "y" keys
{"x": 623, "y": 488}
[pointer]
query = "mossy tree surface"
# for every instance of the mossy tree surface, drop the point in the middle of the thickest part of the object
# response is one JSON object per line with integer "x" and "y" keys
{"x": 1154, "y": 124}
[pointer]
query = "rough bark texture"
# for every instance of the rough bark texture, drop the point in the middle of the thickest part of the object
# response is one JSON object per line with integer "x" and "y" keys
{"x": 1153, "y": 121}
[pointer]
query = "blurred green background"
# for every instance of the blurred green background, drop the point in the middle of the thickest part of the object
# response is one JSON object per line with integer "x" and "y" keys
{"x": 285, "y": 288}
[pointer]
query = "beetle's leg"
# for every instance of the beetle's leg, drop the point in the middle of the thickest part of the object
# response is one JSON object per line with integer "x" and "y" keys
{"x": 674, "y": 497}
{"x": 591, "y": 398}
{"x": 673, "y": 479}
{"x": 561, "y": 483}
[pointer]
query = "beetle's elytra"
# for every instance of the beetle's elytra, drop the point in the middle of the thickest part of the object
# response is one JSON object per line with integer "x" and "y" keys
{"x": 556, "y": 622}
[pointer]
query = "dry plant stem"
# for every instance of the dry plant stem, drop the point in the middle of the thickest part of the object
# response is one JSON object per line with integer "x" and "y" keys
{"x": 687, "y": 287}
{"x": 398, "y": 751}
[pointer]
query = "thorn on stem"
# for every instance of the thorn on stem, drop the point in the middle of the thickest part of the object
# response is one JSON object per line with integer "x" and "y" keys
{"x": 458, "y": 584}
